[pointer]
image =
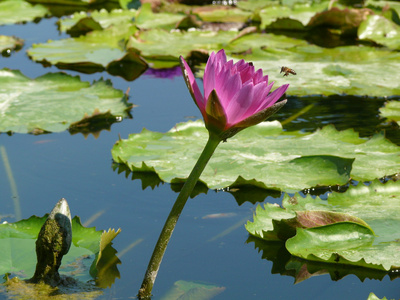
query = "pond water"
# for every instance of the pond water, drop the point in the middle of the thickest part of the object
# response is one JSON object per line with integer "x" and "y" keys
{"x": 211, "y": 250}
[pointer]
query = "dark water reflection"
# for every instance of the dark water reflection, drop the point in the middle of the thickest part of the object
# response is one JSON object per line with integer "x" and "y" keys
{"x": 359, "y": 113}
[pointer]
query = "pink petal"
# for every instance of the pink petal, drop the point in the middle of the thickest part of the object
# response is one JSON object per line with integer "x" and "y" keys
{"x": 198, "y": 97}
{"x": 228, "y": 85}
{"x": 265, "y": 78}
{"x": 263, "y": 102}
{"x": 229, "y": 67}
{"x": 240, "y": 65}
{"x": 247, "y": 74}
{"x": 261, "y": 91}
{"x": 221, "y": 56}
{"x": 209, "y": 76}
{"x": 275, "y": 95}
{"x": 239, "y": 104}
{"x": 258, "y": 77}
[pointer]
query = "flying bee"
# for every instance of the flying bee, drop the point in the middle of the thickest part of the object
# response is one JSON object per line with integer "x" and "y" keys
{"x": 287, "y": 71}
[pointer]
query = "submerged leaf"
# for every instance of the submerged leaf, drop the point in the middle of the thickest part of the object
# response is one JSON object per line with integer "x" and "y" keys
{"x": 192, "y": 290}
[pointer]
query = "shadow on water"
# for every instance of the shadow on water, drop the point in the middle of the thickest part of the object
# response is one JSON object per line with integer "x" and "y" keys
{"x": 344, "y": 112}
{"x": 285, "y": 264}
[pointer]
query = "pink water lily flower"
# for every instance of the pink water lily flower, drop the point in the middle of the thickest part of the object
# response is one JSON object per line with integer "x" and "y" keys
{"x": 235, "y": 95}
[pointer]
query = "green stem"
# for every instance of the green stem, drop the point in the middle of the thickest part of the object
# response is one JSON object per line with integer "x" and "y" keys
{"x": 166, "y": 233}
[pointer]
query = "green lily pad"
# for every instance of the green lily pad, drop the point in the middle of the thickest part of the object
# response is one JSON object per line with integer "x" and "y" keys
{"x": 70, "y": 2}
{"x": 344, "y": 243}
{"x": 273, "y": 17}
{"x": 54, "y": 102}
{"x": 381, "y": 31}
{"x": 291, "y": 161}
{"x": 372, "y": 296}
{"x": 254, "y": 5}
{"x": 96, "y": 20}
{"x": 323, "y": 71}
{"x": 261, "y": 40}
{"x": 222, "y": 13}
{"x": 10, "y": 43}
{"x": 146, "y": 19}
{"x": 391, "y": 111}
{"x": 161, "y": 49}
{"x": 19, "y": 256}
{"x": 347, "y": 241}
{"x": 383, "y": 6}
{"x": 90, "y": 53}
{"x": 16, "y": 11}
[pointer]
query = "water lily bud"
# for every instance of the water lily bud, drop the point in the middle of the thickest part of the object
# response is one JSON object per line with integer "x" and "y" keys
{"x": 53, "y": 243}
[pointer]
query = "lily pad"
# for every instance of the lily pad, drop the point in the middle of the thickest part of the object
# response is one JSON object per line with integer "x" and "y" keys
{"x": 54, "y": 102}
{"x": 90, "y": 53}
{"x": 161, "y": 49}
{"x": 343, "y": 242}
{"x": 282, "y": 17}
{"x": 146, "y": 19}
{"x": 291, "y": 161}
{"x": 391, "y": 111}
{"x": 19, "y": 257}
{"x": 383, "y": 6}
{"x": 372, "y": 296}
{"x": 254, "y": 5}
{"x": 102, "y": 18}
{"x": 323, "y": 71}
{"x": 381, "y": 31}
{"x": 70, "y": 2}
{"x": 16, "y": 11}
{"x": 222, "y": 13}
{"x": 10, "y": 43}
